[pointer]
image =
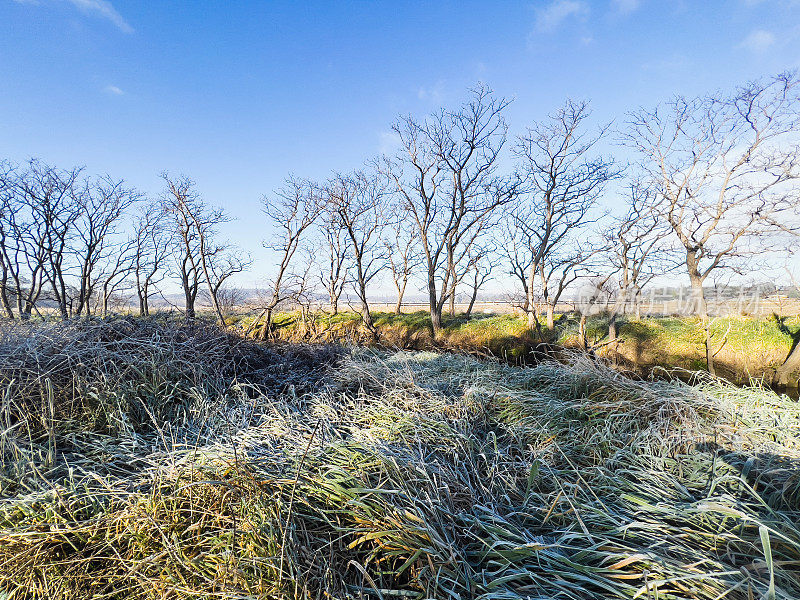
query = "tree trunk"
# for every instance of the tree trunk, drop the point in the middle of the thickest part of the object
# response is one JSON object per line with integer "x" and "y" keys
{"x": 62, "y": 308}
{"x": 621, "y": 301}
{"x": 435, "y": 309}
{"x": 699, "y": 305}
{"x": 366, "y": 316}
{"x": 582, "y": 332}
{"x": 533, "y": 322}
{"x": 551, "y": 322}
{"x": 6, "y": 304}
{"x": 217, "y": 307}
{"x": 144, "y": 309}
{"x": 534, "y": 326}
{"x": 789, "y": 366}
{"x": 60, "y": 295}
{"x": 366, "y": 319}
{"x": 190, "y": 312}
{"x": 709, "y": 349}
{"x": 267, "y": 329}
{"x": 398, "y": 308}
{"x": 472, "y": 302}
{"x": 436, "y": 321}
{"x": 637, "y": 304}
{"x": 20, "y": 305}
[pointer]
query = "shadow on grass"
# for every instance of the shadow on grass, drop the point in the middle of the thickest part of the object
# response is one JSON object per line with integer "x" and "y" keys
{"x": 642, "y": 338}
{"x": 751, "y": 348}
{"x": 776, "y": 478}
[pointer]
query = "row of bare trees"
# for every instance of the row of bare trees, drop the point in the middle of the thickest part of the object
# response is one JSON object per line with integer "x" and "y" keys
{"x": 72, "y": 243}
{"x": 710, "y": 186}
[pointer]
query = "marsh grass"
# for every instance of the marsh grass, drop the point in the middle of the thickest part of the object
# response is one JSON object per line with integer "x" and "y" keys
{"x": 220, "y": 468}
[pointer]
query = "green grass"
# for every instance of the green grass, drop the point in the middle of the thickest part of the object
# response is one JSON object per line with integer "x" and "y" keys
{"x": 227, "y": 469}
{"x": 747, "y": 347}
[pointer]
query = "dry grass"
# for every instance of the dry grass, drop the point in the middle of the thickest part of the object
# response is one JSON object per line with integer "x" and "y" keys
{"x": 224, "y": 469}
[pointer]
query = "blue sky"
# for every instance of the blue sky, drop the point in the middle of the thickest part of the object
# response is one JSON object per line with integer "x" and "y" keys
{"x": 238, "y": 94}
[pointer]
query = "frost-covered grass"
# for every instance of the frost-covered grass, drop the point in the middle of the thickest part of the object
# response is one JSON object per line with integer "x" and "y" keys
{"x": 198, "y": 465}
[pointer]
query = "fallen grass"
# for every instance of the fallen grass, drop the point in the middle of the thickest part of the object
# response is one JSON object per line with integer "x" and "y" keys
{"x": 391, "y": 475}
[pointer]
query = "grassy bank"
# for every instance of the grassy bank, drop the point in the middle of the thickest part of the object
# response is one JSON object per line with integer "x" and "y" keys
{"x": 156, "y": 460}
{"x": 747, "y": 347}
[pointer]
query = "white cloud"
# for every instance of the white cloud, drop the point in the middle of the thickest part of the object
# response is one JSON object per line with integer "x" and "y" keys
{"x": 113, "y": 90}
{"x": 626, "y": 6}
{"x": 550, "y": 17}
{"x": 104, "y": 9}
{"x": 758, "y": 40}
{"x": 99, "y": 8}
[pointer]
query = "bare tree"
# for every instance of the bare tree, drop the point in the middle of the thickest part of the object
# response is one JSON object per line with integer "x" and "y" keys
{"x": 403, "y": 257}
{"x": 463, "y": 268}
{"x": 724, "y": 167}
{"x": 116, "y": 270}
{"x": 483, "y": 259}
{"x": 564, "y": 268}
{"x": 359, "y": 203}
{"x": 219, "y": 260}
{"x": 446, "y": 175}
{"x": 514, "y": 248}
{"x": 7, "y": 206}
{"x": 333, "y": 275}
{"x": 220, "y": 263}
{"x": 229, "y": 297}
{"x": 152, "y": 244}
{"x": 180, "y": 200}
{"x": 638, "y": 251}
{"x": 203, "y": 258}
{"x": 50, "y": 200}
{"x": 303, "y": 290}
{"x": 562, "y": 182}
{"x": 291, "y": 210}
{"x": 103, "y": 204}
{"x": 23, "y": 239}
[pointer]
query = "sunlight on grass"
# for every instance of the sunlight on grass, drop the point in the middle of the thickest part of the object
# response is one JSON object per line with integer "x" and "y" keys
{"x": 747, "y": 347}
